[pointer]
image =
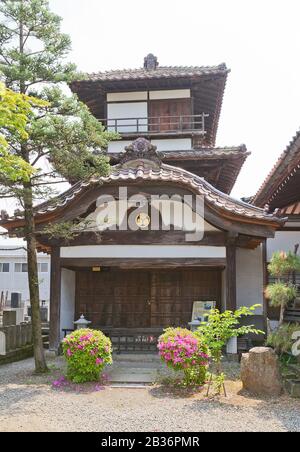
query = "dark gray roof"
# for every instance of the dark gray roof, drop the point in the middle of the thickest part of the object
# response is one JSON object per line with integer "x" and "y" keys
{"x": 159, "y": 72}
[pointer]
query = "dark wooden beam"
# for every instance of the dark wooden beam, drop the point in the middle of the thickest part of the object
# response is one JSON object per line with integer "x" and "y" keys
{"x": 142, "y": 262}
{"x": 55, "y": 295}
{"x": 141, "y": 237}
{"x": 231, "y": 275}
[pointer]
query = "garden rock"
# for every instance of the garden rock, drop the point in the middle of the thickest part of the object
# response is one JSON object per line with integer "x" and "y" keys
{"x": 260, "y": 372}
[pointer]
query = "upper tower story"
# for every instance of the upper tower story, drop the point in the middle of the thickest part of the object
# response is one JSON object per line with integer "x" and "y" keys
{"x": 177, "y": 108}
{"x": 164, "y": 104}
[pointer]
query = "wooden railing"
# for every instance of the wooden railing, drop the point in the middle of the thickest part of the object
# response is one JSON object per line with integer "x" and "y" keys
{"x": 157, "y": 125}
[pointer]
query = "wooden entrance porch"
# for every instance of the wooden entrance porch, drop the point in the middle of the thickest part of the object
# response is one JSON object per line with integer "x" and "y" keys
{"x": 144, "y": 298}
{"x": 133, "y": 306}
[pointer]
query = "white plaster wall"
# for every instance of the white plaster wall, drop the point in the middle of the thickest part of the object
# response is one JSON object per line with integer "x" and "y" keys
{"x": 121, "y": 97}
{"x": 283, "y": 241}
{"x": 153, "y": 95}
{"x": 175, "y": 144}
{"x": 170, "y": 94}
{"x": 112, "y": 215}
{"x": 250, "y": 284}
{"x": 127, "y": 110}
{"x": 118, "y": 146}
{"x": 67, "y": 310}
{"x": 143, "y": 251}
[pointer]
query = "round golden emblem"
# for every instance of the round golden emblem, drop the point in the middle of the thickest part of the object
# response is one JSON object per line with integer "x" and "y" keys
{"x": 142, "y": 220}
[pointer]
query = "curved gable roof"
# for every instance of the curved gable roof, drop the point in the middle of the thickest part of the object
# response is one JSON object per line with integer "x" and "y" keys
{"x": 226, "y": 206}
{"x": 284, "y": 168}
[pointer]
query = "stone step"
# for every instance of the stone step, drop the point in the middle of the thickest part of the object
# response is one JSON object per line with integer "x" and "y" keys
{"x": 136, "y": 358}
{"x": 131, "y": 373}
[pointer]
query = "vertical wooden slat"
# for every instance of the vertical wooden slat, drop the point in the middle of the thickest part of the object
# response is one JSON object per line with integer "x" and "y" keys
{"x": 231, "y": 277}
{"x": 55, "y": 288}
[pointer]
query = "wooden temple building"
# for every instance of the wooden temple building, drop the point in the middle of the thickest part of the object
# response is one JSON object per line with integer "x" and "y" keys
{"x": 281, "y": 193}
{"x": 142, "y": 280}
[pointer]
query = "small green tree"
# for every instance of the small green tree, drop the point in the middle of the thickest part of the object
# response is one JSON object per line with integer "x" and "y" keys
{"x": 282, "y": 267}
{"x": 219, "y": 329}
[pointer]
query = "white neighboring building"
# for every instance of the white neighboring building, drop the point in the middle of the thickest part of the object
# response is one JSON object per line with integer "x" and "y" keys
{"x": 13, "y": 271}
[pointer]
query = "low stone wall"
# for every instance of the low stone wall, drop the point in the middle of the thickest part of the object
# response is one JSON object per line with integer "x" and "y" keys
{"x": 14, "y": 337}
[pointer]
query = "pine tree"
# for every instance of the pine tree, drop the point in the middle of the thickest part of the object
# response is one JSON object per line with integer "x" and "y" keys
{"x": 64, "y": 141}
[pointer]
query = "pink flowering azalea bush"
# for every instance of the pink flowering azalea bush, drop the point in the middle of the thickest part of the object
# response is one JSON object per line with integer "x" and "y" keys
{"x": 181, "y": 350}
{"x": 87, "y": 353}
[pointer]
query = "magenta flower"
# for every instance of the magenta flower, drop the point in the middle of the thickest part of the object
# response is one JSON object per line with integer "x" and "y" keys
{"x": 99, "y": 361}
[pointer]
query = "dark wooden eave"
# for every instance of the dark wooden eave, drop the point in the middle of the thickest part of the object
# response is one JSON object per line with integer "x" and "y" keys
{"x": 218, "y": 166}
{"x": 281, "y": 187}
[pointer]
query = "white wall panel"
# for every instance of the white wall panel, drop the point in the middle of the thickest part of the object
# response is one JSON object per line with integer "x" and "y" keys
{"x": 142, "y": 251}
{"x": 249, "y": 278}
{"x": 67, "y": 310}
{"x": 121, "y": 97}
{"x": 127, "y": 110}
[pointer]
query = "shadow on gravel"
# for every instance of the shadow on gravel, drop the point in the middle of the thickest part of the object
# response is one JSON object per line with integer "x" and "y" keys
{"x": 11, "y": 396}
{"x": 282, "y": 409}
{"x": 174, "y": 392}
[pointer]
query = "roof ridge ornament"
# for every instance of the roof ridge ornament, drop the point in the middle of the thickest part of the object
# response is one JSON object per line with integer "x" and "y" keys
{"x": 139, "y": 150}
{"x": 150, "y": 62}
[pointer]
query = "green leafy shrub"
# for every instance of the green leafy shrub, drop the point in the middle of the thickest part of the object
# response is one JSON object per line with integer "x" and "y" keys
{"x": 281, "y": 294}
{"x": 282, "y": 339}
{"x": 87, "y": 353}
{"x": 180, "y": 349}
{"x": 284, "y": 264}
{"x": 218, "y": 330}
{"x": 282, "y": 267}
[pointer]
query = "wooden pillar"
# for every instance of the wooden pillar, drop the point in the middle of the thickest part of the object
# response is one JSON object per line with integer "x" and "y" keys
{"x": 231, "y": 276}
{"x": 265, "y": 282}
{"x": 55, "y": 288}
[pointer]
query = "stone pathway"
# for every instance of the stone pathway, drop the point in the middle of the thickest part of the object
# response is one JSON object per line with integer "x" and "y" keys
{"x": 132, "y": 370}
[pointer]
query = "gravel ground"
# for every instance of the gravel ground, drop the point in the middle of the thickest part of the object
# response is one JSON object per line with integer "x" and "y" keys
{"x": 29, "y": 403}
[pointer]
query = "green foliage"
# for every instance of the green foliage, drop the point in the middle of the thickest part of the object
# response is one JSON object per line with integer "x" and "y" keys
{"x": 41, "y": 57}
{"x": 218, "y": 382}
{"x": 181, "y": 350}
{"x": 87, "y": 353}
{"x": 15, "y": 111}
{"x": 223, "y": 326}
{"x": 282, "y": 339}
{"x": 280, "y": 294}
{"x": 218, "y": 330}
{"x": 63, "y": 230}
{"x": 283, "y": 264}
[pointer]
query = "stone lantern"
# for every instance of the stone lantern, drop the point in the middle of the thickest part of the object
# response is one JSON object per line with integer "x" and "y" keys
{"x": 82, "y": 323}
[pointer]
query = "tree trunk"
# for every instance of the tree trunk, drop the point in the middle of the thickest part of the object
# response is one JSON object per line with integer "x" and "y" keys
{"x": 282, "y": 310}
{"x": 39, "y": 355}
{"x": 33, "y": 281}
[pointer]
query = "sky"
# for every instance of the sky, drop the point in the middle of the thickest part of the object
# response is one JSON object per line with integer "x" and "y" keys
{"x": 259, "y": 40}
